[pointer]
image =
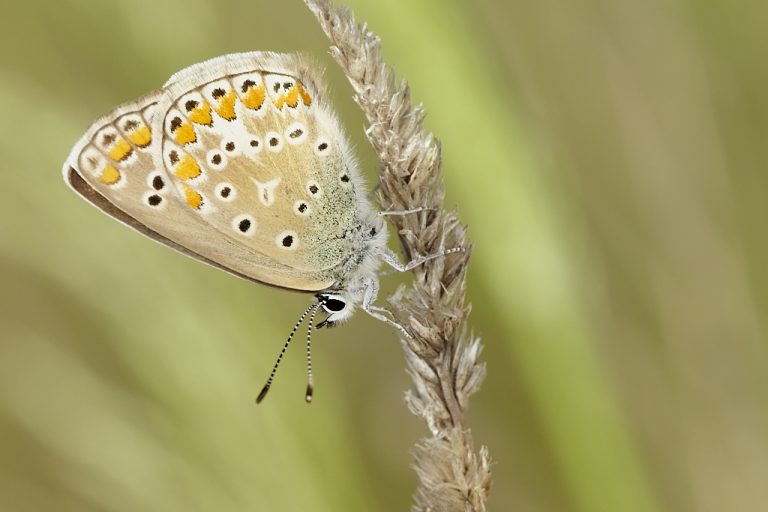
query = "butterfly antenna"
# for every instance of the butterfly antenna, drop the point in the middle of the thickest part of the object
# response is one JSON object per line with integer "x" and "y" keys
{"x": 310, "y": 387}
{"x": 266, "y": 387}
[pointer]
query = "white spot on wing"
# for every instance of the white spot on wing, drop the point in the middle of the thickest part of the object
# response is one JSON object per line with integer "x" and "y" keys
{"x": 274, "y": 141}
{"x": 252, "y": 145}
{"x": 287, "y": 240}
{"x": 314, "y": 189}
{"x": 191, "y": 97}
{"x": 216, "y": 160}
{"x": 152, "y": 196}
{"x": 276, "y": 85}
{"x": 322, "y": 147}
{"x": 218, "y": 86}
{"x": 230, "y": 146}
{"x": 301, "y": 208}
{"x": 266, "y": 190}
{"x": 92, "y": 161}
{"x": 169, "y": 117}
{"x": 106, "y": 137}
{"x": 296, "y": 133}
{"x": 244, "y": 224}
{"x": 149, "y": 112}
{"x": 162, "y": 181}
{"x": 225, "y": 192}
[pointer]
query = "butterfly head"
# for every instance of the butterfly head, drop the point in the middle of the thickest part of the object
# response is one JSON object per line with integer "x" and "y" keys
{"x": 339, "y": 306}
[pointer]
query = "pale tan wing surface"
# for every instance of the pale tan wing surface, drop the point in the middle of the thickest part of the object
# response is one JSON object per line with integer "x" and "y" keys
{"x": 116, "y": 166}
{"x": 258, "y": 155}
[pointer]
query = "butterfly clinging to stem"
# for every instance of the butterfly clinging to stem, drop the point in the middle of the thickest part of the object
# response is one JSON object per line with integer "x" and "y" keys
{"x": 239, "y": 162}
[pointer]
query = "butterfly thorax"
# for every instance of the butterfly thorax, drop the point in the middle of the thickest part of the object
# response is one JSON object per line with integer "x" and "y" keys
{"x": 365, "y": 242}
{"x": 360, "y": 246}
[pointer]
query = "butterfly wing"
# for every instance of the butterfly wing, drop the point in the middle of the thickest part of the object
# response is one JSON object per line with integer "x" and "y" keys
{"x": 116, "y": 167}
{"x": 256, "y": 154}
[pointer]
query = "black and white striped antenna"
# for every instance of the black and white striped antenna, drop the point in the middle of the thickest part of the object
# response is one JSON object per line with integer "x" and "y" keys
{"x": 310, "y": 388}
{"x": 313, "y": 308}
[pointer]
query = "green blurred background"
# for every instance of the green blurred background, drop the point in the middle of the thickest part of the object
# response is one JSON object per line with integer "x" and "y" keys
{"x": 610, "y": 159}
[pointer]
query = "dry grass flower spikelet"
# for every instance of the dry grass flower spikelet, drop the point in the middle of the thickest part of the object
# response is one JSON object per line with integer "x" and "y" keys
{"x": 441, "y": 357}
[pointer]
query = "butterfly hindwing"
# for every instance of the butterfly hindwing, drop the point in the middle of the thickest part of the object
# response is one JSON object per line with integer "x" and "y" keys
{"x": 117, "y": 167}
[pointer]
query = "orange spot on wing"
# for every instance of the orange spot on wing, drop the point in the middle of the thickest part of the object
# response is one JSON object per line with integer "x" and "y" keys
{"x": 120, "y": 150}
{"x": 187, "y": 169}
{"x": 305, "y": 97}
{"x": 141, "y": 136}
{"x": 226, "y": 108}
{"x": 201, "y": 114}
{"x": 193, "y": 198}
{"x": 109, "y": 176}
{"x": 254, "y": 98}
{"x": 185, "y": 134}
{"x": 291, "y": 98}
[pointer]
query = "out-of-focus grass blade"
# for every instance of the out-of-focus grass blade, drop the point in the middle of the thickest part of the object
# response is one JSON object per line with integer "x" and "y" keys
{"x": 521, "y": 253}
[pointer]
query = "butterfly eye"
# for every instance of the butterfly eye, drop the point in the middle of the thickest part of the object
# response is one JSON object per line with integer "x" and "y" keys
{"x": 333, "y": 305}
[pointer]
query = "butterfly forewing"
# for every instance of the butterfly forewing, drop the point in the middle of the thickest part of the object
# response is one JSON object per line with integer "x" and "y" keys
{"x": 254, "y": 152}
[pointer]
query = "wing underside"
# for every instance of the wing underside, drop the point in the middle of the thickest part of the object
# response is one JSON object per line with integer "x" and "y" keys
{"x": 116, "y": 167}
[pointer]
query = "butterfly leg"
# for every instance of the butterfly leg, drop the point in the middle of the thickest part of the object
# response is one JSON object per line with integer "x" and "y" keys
{"x": 405, "y": 212}
{"x": 377, "y": 312}
{"x": 390, "y": 258}
{"x": 372, "y": 286}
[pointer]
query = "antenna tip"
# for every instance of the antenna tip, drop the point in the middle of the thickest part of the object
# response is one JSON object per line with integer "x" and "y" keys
{"x": 310, "y": 392}
{"x": 262, "y": 394}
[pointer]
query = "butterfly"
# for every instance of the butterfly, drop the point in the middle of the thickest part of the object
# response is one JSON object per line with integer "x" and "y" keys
{"x": 241, "y": 163}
